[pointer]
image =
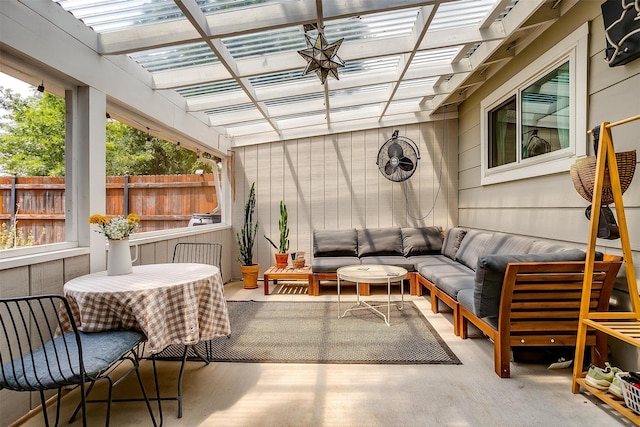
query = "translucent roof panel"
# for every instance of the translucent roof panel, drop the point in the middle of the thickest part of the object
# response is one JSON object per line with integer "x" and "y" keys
{"x": 369, "y": 65}
{"x": 418, "y": 83}
{"x": 435, "y": 56}
{"x": 265, "y": 80}
{"x": 293, "y": 99}
{"x": 375, "y": 26}
{"x": 460, "y": 14}
{"x": 234, "y": 64}
{"x": 112, "y": 15}
{"x": 214, "y": 6}
{"x": 174, "y": 57}
{"x": 209, "y": 88}
{"x": 231, "y": 109}
{"x": 266, "y": 42}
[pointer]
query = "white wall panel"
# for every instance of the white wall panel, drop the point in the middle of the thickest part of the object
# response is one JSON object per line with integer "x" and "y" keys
{"x": 373, "y": 178}
{"x": 346, "y": 166}
{"x": 360, "y": 166}
{"x": 317, "y": 167}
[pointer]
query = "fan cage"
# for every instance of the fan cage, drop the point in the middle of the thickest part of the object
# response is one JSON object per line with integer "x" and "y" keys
{"x": 385, "y": 161}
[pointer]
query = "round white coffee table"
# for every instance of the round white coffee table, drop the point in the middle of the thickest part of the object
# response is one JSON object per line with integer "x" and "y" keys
{"x": 372, "y": 273}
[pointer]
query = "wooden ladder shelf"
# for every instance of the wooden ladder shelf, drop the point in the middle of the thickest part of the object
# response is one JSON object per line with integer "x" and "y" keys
{"x": 625, "y": 325}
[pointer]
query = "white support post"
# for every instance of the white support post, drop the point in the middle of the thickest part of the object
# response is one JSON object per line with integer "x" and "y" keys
{"x": 86, "y": 163}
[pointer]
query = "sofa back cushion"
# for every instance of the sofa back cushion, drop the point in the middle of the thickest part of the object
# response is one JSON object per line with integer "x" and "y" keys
{"x": 335, "y": 242}
{"x": 379, "y": 241}
{"x": 507, "y": 244}
{"x": 490, "y": 275}
{"x": 452, "y": 239}
{"x": 472, "y": 246}
{"x": 421, "y": 241}
{"x": 542, "y": 247}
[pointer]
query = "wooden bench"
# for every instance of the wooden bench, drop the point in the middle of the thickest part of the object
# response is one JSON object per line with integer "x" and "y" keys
{"x": 540, "y": 306}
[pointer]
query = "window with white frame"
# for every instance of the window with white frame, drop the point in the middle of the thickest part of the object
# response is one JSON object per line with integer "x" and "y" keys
{"x": 534, "y": 124}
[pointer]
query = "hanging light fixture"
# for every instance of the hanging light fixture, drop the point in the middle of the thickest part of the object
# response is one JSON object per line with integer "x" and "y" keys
{"x": 39, "y": 91}
{"x": 322, "y": 57}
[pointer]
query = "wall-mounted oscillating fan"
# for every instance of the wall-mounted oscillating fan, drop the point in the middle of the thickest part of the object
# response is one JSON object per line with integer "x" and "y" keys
{"x": 398, "y": 158}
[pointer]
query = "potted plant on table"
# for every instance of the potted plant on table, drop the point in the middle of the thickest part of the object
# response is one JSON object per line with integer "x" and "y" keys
{"x": 282, "y": 256}
{"x": 246, "y": 239}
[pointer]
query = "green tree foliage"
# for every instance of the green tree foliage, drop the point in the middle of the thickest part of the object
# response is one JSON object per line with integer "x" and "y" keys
{"x": 32, "y": 136}
{"x": 129, "y": 152}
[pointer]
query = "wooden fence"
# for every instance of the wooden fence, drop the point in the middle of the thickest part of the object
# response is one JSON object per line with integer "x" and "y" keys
{"x": 36, "y": 204}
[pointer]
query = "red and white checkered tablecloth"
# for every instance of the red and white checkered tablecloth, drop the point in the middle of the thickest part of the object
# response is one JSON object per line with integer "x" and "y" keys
{"x": 171, "y": 303}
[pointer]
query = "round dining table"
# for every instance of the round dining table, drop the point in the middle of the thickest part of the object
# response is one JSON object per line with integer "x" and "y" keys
{"x": 172, "y": 303}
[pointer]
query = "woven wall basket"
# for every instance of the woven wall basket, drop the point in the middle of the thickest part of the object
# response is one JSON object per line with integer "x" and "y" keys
{"x": 583, "y": 174}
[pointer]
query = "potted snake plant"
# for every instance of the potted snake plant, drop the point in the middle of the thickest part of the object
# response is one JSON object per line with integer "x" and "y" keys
{"x": 282, "y": 254}
{"x": 246, "y": 238}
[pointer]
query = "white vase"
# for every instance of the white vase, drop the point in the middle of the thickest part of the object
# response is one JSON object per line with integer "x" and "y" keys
{"x": 119, "y": 257}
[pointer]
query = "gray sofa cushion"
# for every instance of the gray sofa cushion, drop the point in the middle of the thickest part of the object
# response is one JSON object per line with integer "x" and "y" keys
{"x": 490, "y": 275}
{"x": 421, "y": 241}
{"x": 449, "y": 276}
{"x": 335, "y": 243}
{"x": 379, "y": 241}
{"x": 397, "y": 260}
{"x": 427, "y": 260}
{"x": 542, "y": 246}
{"x": 332, "y": 263}
{"x": 453, "y": 283}
{"x": 472, "y": 246}
{"x": 507, "y": 244}
{"x": 452, "y": 240}
{"x": 465, "y": 298}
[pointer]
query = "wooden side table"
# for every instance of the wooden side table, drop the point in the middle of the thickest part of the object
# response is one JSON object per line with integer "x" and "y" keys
{"x": 304, "y": 273}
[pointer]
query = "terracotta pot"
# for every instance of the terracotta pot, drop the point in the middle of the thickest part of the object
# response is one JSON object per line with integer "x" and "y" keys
{"x": 282, "y": 260}
{"x": 250, "y": 275}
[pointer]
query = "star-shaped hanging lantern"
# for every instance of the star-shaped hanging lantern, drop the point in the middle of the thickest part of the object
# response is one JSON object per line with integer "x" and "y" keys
{"x": 322, "y": 57}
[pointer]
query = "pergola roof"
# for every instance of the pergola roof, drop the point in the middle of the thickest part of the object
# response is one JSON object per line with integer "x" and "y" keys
{"x": 234, "y": 64}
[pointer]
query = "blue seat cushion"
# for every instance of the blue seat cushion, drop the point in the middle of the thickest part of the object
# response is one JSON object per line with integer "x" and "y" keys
{"x": 41, "y": 371}
{"x": 332, "y": 263}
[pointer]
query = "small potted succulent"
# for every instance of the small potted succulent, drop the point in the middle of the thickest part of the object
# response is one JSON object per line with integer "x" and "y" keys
{"x": 282, "y": 255}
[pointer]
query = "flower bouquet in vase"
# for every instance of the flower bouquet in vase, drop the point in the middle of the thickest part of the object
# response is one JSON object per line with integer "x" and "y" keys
{"x": 117, "y": 231}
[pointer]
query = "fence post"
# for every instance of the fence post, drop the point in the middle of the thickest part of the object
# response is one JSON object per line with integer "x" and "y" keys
{"x": 125, "y": 194}
{"x": 12, "y": 202}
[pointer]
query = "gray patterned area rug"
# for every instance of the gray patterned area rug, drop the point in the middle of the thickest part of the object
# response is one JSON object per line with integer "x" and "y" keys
{"x": 311, "y": 332}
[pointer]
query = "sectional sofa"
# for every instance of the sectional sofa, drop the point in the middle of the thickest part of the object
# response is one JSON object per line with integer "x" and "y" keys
{"x": 519, "y": 291}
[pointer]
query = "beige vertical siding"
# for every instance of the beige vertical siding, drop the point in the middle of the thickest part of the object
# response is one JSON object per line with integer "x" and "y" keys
{"x": 548, "y": 206}
{"x": 332, "y": 182}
